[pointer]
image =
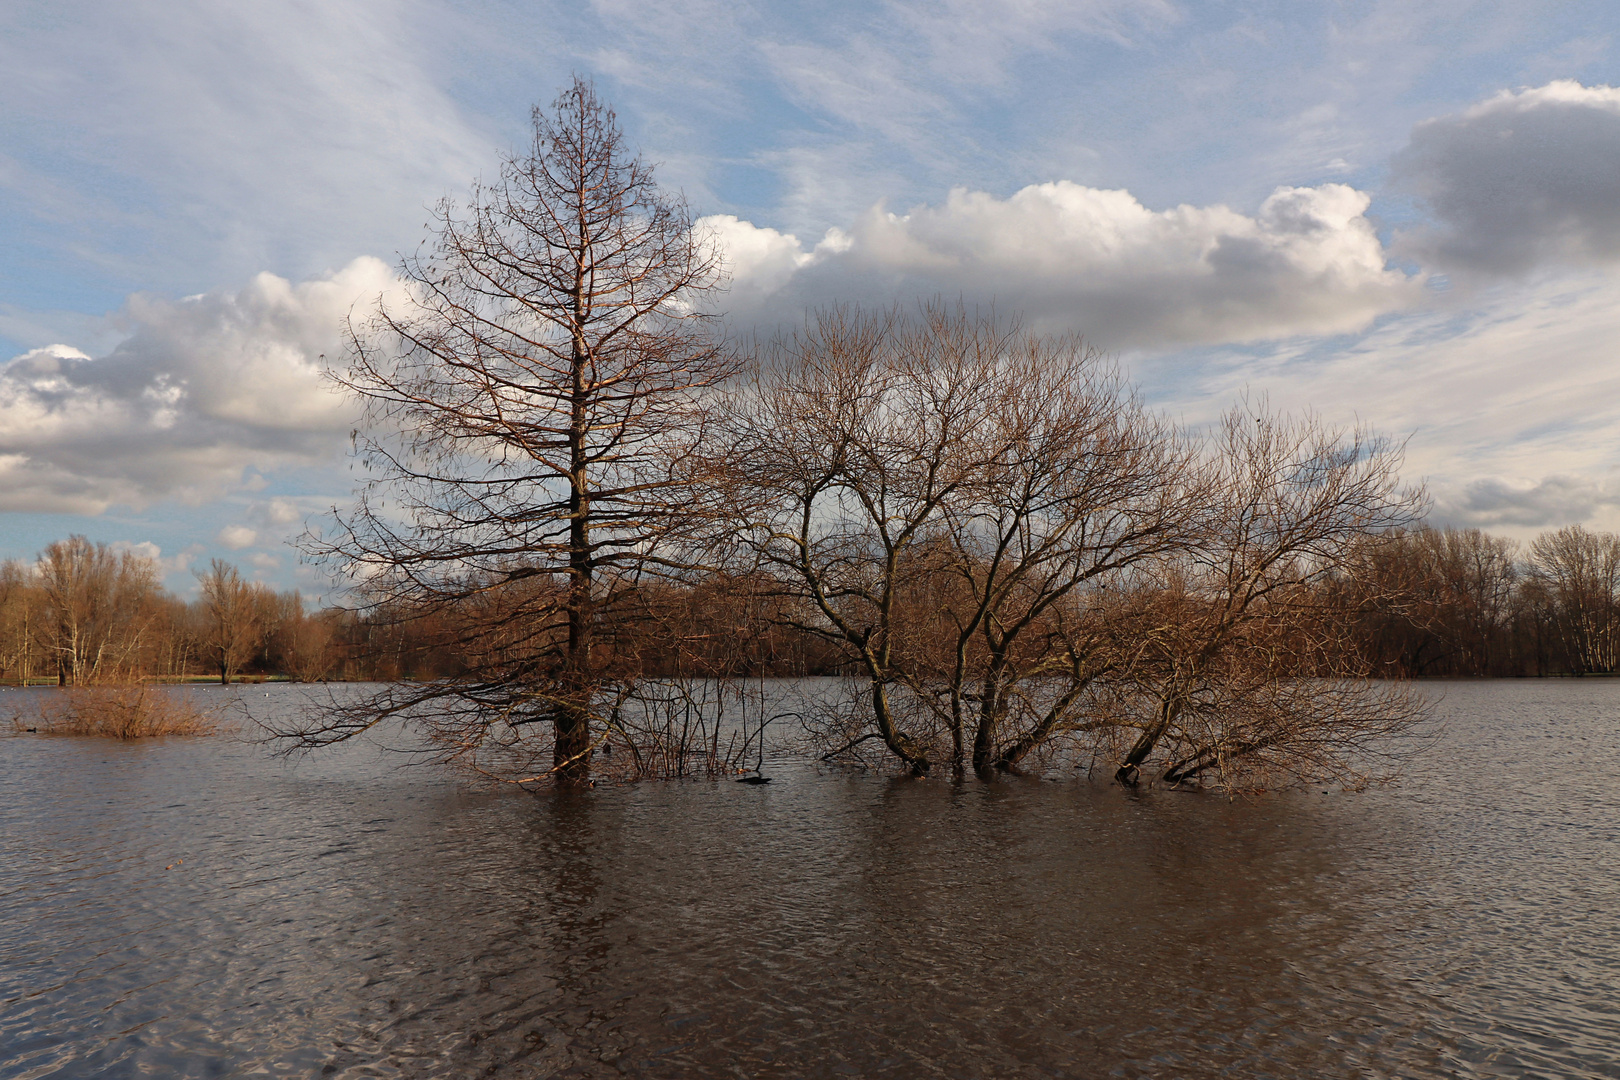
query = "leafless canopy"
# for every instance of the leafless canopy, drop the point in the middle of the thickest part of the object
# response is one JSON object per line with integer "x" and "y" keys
{"x": 530, "y": 414}
{"x": 1018, "y": 560}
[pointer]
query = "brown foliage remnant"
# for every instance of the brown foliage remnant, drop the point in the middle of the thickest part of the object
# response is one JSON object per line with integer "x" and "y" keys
{"x": 121, "y": 712}
{"x": 530, "y": 420}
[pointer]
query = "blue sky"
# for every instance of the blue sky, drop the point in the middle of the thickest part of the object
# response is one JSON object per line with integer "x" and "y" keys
{"x": 1403, "y": 213}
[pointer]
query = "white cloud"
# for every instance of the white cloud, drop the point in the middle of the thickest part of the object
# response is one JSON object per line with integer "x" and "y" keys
{"x": 275, "y": 512}
{"x": 145, "y": 549}
{"x": 203, "y": 389}
{"x": 177, "y": 563}
{"x": 1075, "y": 257}
{"x": 758, "y": 260}
{"x": 237, "y": 537}
{"x": 1511, "y": 396}
{"x": 1526, "y": 178}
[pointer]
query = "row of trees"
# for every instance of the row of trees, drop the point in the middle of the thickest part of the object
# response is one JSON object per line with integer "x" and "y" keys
{"x": 1463, "y": 602}
{"x": 1417, "y": 603}
{"x": 84, "y": 613}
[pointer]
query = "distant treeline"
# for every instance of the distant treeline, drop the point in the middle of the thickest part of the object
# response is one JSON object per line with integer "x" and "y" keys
{"x": 1463, "y": 602}
{"x": 86, "y": 613}
{"x": 1431, "y": 602}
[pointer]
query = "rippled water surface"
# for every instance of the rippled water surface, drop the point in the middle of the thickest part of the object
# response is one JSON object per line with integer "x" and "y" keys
{"x": 198, "y": 908}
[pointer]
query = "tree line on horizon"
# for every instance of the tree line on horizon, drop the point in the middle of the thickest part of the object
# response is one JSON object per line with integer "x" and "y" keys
{"x": 83, "y": 613}
{"x": 1421, "y": 603}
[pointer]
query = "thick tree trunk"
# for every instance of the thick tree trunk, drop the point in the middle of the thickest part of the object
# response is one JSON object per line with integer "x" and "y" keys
{"x": 571, "y": 756}
{"x": 1129, "y": 769}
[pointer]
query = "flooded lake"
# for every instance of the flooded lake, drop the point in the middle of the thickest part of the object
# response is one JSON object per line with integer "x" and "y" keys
{"x": 197, "y": 908}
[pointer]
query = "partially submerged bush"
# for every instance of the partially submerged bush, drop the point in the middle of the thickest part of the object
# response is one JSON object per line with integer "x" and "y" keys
{"x": 121, "y": 712}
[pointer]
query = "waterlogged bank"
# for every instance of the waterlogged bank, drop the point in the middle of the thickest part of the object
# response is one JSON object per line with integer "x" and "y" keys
{"x": 194, "y": 908}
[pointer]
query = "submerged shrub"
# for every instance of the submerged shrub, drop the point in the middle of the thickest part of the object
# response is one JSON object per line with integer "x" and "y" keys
{"x": 121, "y": 712}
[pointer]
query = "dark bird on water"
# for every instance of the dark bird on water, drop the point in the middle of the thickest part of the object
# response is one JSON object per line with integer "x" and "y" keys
{"x": 753, "y": 780}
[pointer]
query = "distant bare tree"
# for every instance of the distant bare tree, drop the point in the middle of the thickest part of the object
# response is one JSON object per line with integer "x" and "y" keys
{"x": 97, "y": 609}
{"x": 302, "y": 644}
{"x": 19, "y": 619}
{"x": 233, "y": 618}
{"x": 530, "y": 417}
{"x": 1579, "y": 572}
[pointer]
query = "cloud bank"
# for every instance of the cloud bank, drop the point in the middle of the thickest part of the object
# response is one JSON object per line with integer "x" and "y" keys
{"x": 201, "y": 391}
{"x": 1073, "y": 257}
{"x": 1524, "y": 179}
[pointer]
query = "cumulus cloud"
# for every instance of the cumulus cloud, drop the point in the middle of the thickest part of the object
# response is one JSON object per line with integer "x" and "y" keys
{"x": 275, "y": 512}
{"x": 202, "y": 390}
{"x": 237, "y": 537}
{"x": 1069, "y": 256}
{"x": 1524, "y": 178}
{"x": 172, "y": 564}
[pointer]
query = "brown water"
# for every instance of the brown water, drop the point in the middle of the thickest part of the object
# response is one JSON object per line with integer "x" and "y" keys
{"x": 340, "y": 916}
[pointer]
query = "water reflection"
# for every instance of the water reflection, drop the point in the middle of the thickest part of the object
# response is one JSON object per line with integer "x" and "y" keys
{"x": 341, "y": 917}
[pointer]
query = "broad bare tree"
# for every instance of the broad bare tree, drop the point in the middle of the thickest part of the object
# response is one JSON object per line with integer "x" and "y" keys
{"x": 530, "y": 417}
{"x": 940, "y": 492}
{"x": 98, "y": 606}
{"x": 1020, "y": 562}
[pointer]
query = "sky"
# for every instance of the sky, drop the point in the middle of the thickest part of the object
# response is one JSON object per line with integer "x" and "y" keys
{"x": 1405, "y": 215}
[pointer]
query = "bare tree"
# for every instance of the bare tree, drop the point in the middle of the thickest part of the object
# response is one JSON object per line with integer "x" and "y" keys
{"x": 19, "y": 619}
{"x": 529, "y": 421}
{"x": 98, "y": 608}
{"x": 1579, "y": 571}
{"x": 937, "y": 492}
{"x": 233, "y": 618}
{"x": 1225, "y": 629}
